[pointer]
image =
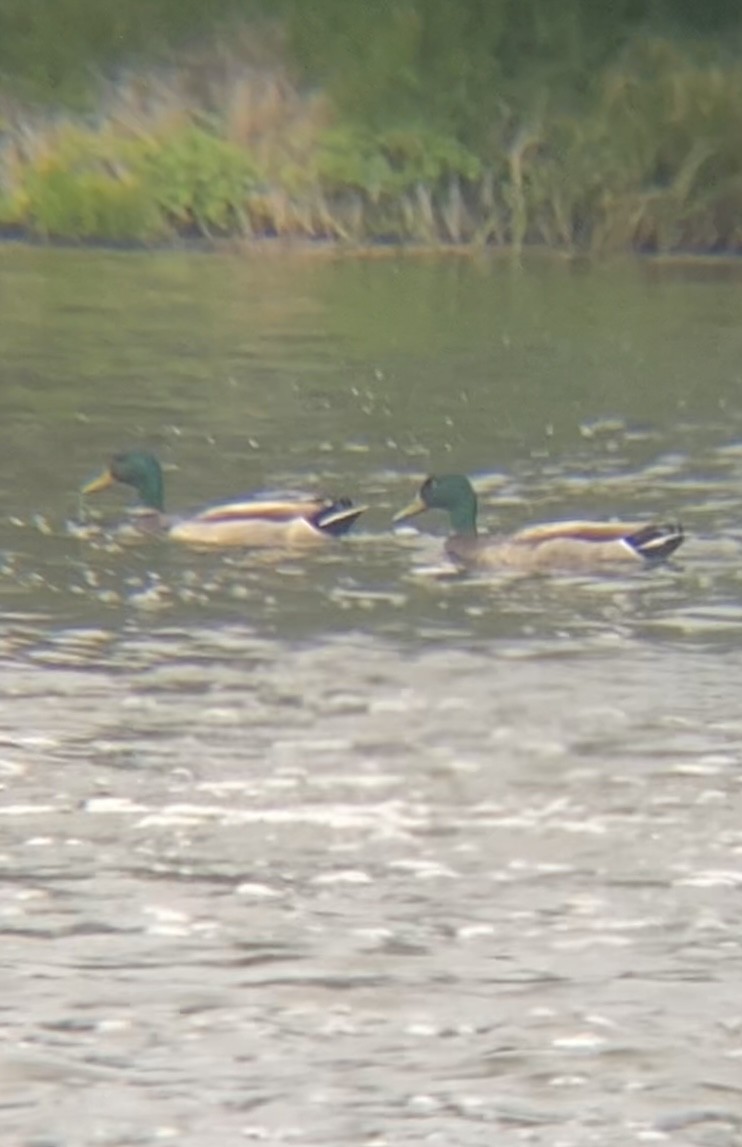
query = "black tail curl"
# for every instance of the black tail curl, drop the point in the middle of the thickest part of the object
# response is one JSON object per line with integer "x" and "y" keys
{"x": 657, "y": 543}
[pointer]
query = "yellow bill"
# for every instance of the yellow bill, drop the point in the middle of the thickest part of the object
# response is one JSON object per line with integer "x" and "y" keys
{"x": 416, "y": 506}
{"x": 102, "y": 482}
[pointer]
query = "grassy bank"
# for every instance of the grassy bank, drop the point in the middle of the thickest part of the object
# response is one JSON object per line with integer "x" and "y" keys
{"x": 425, "y": 121}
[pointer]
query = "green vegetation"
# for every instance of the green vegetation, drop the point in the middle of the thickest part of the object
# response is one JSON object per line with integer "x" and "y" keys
{"x": 198, "y": 180}
{"x": 83, "y": 188}
{"x": 509, "y": 122}
{"x": 51, "y": 51}
{"x": 102, "y": 185}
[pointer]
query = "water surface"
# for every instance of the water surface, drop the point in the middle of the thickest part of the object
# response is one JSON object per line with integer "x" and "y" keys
{"x": 324, "y": 849}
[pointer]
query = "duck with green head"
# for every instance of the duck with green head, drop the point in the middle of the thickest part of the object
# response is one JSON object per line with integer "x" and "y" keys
{"x": 570, "y": 545}
{"x": 253, "y": 520}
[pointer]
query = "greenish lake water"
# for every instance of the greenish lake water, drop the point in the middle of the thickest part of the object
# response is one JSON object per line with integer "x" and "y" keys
{"x": 321, "y": 848}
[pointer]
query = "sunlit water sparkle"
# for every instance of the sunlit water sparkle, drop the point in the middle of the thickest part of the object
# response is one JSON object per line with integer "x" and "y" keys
{"x": 333, "y": 847}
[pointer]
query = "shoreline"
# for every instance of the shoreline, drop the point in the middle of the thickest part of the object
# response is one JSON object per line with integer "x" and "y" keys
{"x": 257, "y": 139}
{"x": 276, "y": 247}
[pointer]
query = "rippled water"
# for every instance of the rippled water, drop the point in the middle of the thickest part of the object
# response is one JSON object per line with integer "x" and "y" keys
{"x": 324, "y": 849}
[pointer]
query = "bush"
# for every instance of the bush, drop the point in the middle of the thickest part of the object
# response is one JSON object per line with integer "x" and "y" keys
{"x": 108, "y": 186}
{"x": 83, "y": 188}
{"x": 200, "y": 181}
{"x": 395, "y": 183}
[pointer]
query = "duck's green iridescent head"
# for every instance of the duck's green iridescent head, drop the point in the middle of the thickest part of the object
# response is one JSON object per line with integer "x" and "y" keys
{"x": 134, "y": 468}
{"x": 451, "y": 492}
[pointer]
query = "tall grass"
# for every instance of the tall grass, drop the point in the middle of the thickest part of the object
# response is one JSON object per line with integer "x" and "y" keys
{"x": 583, "y": 127}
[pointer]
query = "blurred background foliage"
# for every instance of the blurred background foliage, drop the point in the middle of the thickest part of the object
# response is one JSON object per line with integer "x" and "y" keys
{"x": 576, "y": 125}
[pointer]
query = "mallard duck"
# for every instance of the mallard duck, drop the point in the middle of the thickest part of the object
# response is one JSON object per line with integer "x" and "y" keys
{"x": 554, "y": 545}
{"x": 252, "y": 520}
